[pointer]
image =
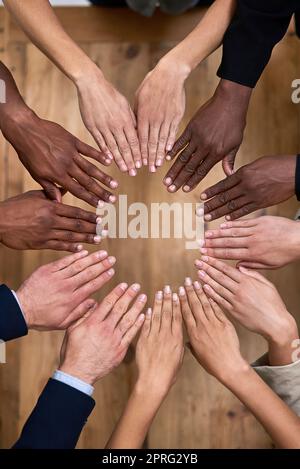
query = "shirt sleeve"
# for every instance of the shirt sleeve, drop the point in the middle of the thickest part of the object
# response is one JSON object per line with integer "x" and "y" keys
{"x": 12, "y": 322}
{"x": 73, "y": 382}
{"x": 248, "y": 43}
{"x": 284, "y": 380}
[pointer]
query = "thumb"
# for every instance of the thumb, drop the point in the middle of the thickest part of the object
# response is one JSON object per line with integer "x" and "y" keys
{"x": 52, "y": 191}
{"x": 253, "y": 274}
{"x": 228, "y": 162}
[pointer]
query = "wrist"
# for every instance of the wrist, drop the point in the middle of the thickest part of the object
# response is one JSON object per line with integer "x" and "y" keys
{"x": 87, "y": 76}
{"x": 280, "y": 342}
{"x": 238, "y": 96}
{"x": 15, "y": 116}
{"x": 230, "y": 375}
{"x": 175, "y": 65}
{"x": 154, "y": 391}
{"x": 26, "y": 307}
{"x": 75, "y": 371}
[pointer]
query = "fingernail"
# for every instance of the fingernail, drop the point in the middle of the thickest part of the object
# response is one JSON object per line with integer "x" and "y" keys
{"x": 207, "y": 217}
{"x": 112, "y": 198}
{"x": 101, "y": 204}
{"x": 101, "y": 254}
{"x": 181, "y": 291}
{"x": 149, "y": 312}
{"x": 83, "y": 253}
{"x": 186, "y": 188}
{"x": 104, "y": 233}
{"x": 228, "y": 217}
{"x": 199, "y": 212}
{"x": 109, "y": 155}
{"x": 152, "y": 169}
{"x": 167, "y": 290}
{"x": 159, "y": 162}
{"x": 79, "y": 247}
{"x": 201, "y": 273}
{"x": 198, "y": 263}
{"x": 123, "y": 286}
{"x": 123, "y": 168}
{"x": 111, "y": 272}
{"x": 197, "y": 285}
{"x": 208, "y": 234}
{"x": 169, "y": 147}
{"x": 175, "y": 297}
{"x": 203, "y": 250}
{"x": 111, "y": 260}
{"x": 113, "y": 184}
{"x": 168, "y": 158}
{"x": 108, "y": 161}
{"x": 138, "y": 164}
{"x": 132, "y": 172}
{"x": 203, "y": 196}
{"x": 145, "y": 161}
{"x": 205, "y": 258}
{"x": 172, "y": 188}
{"x": 207, "y": 287}
{"x": 200, "y": 242}
{"x": 98, "y": 220}
{"x": 188, "y": 281}
{"x": 159, "y": 295}
{"x": 142, "y": 298}
{"x": 223, "y": 225}
{"x": 141, "y": 318}
{"x": 168, "y": 181}
{"x": 136, "y": 287}
{"x": 97, "y": 239}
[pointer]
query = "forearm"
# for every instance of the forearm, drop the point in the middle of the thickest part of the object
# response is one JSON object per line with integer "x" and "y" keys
{"x": 278, "y": 420}
{"x": 133, "y": 426}
{"x": 204, "y": 39}
{"x": 39, "y": 22}
{"x": 281, "y": 344}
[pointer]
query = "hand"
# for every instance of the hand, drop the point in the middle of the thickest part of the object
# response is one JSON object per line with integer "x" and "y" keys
{"x": 53, "y": 158}
{"x": 265, "y": 182}
{"x": 215, "y": 133}
{"x": 260, "y": 243}
{"x": 159, "y": 110}
{"x": 31, "y": 221}
{"x": 213, "y": 339}
{"x": 98, "y": 342}
{"x": 251, "y": 299}
{"x": 57, "y": 294}
{"x": 160, "y": 349}
{"x": 110, "y": 120}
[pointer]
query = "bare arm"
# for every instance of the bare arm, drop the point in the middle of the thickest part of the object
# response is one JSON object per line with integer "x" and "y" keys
{"x": 105, "y": 112}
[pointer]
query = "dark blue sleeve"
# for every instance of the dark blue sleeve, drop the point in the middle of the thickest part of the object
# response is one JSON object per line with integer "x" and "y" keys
{"x": 248, "y": 43}
{"x": 12, "y": 322}
{"x": 57, "y": 419}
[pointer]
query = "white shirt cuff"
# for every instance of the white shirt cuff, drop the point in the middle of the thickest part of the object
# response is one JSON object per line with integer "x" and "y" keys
{"x": 17, "y": 300}
{"x": 73, "y": 382}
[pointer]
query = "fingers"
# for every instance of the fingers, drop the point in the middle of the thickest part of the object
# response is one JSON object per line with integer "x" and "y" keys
{"x": 204, "y": 310}
{"x": 152, "y": 147}
{"x": 101, "y": 143}
{"x": 250, "y": 223}
{"x": 143, "y": 133}
{"x": 61, "y": 246}
{"x": 125, "y": 151}
{"x": 218, "y": 312}
{"x": 162, "y": 143}
{"x": 96, "y": 281}
{"x": 132, "y": 332}
{"x": 182, "y": 141}
{"x": 233, "y": 233}
{"x": 74, "y": 225}
{"x": 147, "y": 323}
{"x": 171, "y": 138}
{"x": 91, "y": 152}
{"x": 157, "y": 311}
{"x": 107, "y": 304}
{"x": 228, "y": 162}
{"x": 93, "y": 271}
{"x": 211, "y": 293}
{"x": 242, "y": 209}
{"x": 134, "y": 144}
{"x": 187, "y": 314}
{"x": 82, "y": 262}
{"x": 207, "y": 279}
{"x": 95, "y": 192}
{"x": 129, "y": 319}
{"x": 221, "y": 186}
{"x": 176, "y": 316}
{"x": 79, "y": 191}
{"x": 221, "y": 203}
{"x": 66, "y": 261}
{"x": 233, "y": 254}
{"x": 202, "y": 170}
{"x": 252, "y": 265}
{"x": 192, "y": 298}
{"x": 77, "y": 213}
{"x": 188, "y": 171}
{"x": 52, "y": 191}
{"x": 71, "y": 236}
{"x": 112, "y": 144}
{"x": 167, "y": 312}
{"x": 122, "y": 305}
{"x": 226, "y": 274}
{"x": 94, "y": 172}
{"x": 174, "y": 174}
{"x": 80, "y": 312}
{"x": 236, "y": 208}
{"x": 252, "y": 273}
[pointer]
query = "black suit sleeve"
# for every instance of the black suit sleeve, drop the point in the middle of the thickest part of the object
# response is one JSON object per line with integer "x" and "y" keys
{"x": 248, "y": 43}
{"x": 57, "y": 419}
{"x": 12, "y": 322}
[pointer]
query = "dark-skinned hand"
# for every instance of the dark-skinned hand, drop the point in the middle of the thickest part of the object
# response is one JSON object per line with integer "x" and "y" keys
{"x": 263, "y": 183}
{"x": 50, "y": 153}
{"x": 31, "y": 221}
{"x": 215, "y": 133}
